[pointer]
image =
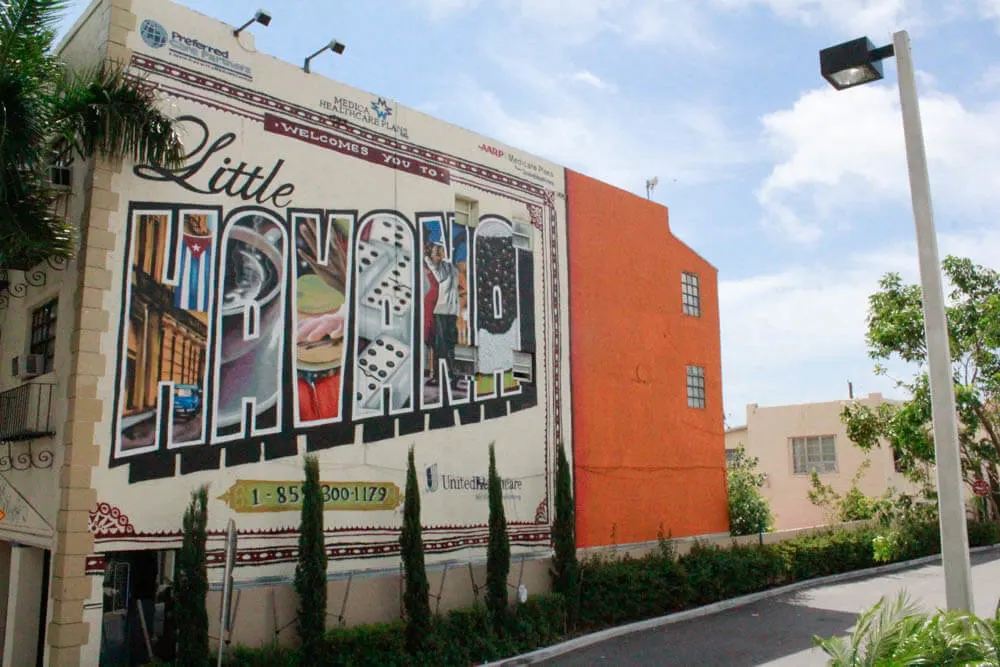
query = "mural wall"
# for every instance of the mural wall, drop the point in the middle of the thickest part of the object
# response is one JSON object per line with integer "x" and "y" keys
{"x": 329, "y": 272}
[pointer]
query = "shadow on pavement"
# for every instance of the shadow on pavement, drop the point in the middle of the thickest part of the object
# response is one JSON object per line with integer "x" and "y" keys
{"x": 750, "y": 635}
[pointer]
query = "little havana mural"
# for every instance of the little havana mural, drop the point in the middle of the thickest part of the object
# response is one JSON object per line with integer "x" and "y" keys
{"x": 248, "y": 326}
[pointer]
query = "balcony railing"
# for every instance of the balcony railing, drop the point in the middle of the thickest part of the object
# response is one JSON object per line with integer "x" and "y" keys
{"x": 26, "y": 412}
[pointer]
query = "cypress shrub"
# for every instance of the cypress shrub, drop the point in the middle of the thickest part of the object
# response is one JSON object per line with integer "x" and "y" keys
{"x": 411, "y": 543}
{"x": 310, "y": 572}
{"x": 565, "y": 568}
{"x": 192, "y": 584}
{"x": 498, "y": 551}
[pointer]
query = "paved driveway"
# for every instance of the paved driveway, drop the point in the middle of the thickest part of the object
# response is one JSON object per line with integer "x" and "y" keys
{"x": 778, "y": 632}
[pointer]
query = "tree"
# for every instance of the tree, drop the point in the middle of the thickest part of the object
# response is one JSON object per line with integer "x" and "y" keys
{"x": 498, "y": 550}
{"x": 565, "y": 568}
{"x": 50, "y": 113}
{"x": 853, "y": 504}
{"x": 310, "y": 572}
{"x": 896, "y": 332}
{"x": 749, "y": 512}
{"x": 192, "y": 584}
{"x": 415, "y": 596}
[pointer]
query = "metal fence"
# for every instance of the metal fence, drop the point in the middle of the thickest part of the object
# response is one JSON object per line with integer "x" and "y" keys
{"x": 26, "y": 412}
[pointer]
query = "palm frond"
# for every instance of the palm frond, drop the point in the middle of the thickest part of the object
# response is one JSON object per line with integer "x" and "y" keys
{"x": 28, "y": 24}
{"x": 30, "y": 231}
{"x": 105, "y": 111}
{"x": 877, "y": 634}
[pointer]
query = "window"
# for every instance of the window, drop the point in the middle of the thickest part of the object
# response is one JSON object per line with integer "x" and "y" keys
{"x": 43, "y": 334}
{"x": 691, "y": 294}
{"x": 730, "y": 456}
{"x": 817, "y": 452}
{"x": 696, "y": 386}
{"x": 466, "y": 212}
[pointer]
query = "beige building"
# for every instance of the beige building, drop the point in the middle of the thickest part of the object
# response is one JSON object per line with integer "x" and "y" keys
{"x": 792, "y": 440}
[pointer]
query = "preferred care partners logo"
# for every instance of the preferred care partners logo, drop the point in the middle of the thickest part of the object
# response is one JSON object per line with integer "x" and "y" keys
{"x": 156, "y": 36}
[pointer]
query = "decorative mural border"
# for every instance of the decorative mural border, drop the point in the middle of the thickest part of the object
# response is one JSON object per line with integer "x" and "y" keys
{"x": 277, "y": 554}
{"x": 276, "y": 105}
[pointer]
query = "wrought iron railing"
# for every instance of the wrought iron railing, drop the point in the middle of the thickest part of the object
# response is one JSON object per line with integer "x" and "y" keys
{"x": 26, "y": 412}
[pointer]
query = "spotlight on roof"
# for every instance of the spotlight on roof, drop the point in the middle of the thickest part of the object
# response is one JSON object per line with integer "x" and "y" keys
{"x": 262, "y": 17}
{"x": 334, "y": 45}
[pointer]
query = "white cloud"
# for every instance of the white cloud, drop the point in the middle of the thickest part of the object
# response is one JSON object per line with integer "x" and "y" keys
{"x": 876, "y": 18}
{"x": 797, "y": 335}
{"x": 589, "y": 78}
{"x": 440, "y": 9}
{"x": 686, "y": 142}
{"x": 672, "y": 23}
{"x": 838, "y": 151}
{"x": 660, "y": 23}
{"x": 990, "y": 8}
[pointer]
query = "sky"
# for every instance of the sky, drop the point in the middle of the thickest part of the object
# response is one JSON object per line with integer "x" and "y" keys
{"x": 797, "y": 193}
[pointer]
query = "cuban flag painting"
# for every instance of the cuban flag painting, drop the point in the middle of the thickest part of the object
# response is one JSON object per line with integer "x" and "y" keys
{"x": 195, "y": 276}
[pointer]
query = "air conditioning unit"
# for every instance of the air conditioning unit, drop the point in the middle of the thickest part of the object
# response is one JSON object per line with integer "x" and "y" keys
{"x": 27, "y": 366}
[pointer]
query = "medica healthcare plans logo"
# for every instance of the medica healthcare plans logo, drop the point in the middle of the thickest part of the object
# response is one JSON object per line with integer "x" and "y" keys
{"x": 156, "y": 36}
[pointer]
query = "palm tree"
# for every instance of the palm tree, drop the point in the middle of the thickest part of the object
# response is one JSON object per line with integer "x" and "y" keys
{"x": 48, "y": 113}
{"x": 899, "y": 632}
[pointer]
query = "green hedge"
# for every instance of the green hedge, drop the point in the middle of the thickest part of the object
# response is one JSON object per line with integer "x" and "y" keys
{"x": 616, "y": 591}
{"x": 460, "y": 637}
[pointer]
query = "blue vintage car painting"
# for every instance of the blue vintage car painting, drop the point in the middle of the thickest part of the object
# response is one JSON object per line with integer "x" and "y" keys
{"x": 187, "y": 400}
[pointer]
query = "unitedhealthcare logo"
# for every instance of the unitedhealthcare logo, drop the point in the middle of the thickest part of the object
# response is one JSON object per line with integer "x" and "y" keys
{"x": 432, "y": 477}
{"x": 477, "y": 483}
{"x": 156, "y": 36}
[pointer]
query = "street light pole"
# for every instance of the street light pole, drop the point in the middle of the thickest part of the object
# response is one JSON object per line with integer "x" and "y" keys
{"x": 951, "y": 504}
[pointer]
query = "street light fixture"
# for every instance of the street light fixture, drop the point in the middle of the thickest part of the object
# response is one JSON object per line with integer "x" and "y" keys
{"x": 262, "y": 17}
{"x": 851, "y": 64}
{"x": 334, "y": 45}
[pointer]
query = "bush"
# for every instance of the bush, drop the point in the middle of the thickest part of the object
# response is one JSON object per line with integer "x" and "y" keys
{"x": 827, "y": 553}
{"x": 381, "y": 644}
{"x": 907, "y": 539}
{"x": 272, "y": 656}
{"x": 618, "y": 591}
{"x": 983, "y": 533}
{"x": 714, "y": 573}
{"x": 749, "y": 512}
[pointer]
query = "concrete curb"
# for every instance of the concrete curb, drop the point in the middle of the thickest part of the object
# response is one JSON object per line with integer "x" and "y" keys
{"x": 595, "y": 638}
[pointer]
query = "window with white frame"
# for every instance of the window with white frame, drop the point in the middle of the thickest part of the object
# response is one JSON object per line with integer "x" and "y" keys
{"x": 691, "y": 294}
{"x": 815, "y": 452}
{"x": 696, "y": 386}
{"x": 466, "y": 212}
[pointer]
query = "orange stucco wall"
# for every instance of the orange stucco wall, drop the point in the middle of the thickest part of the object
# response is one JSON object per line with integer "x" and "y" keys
{"x": 642, "y": 458}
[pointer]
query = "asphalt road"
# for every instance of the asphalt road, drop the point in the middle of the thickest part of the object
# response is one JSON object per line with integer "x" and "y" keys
{"x": 778, "y": 632}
